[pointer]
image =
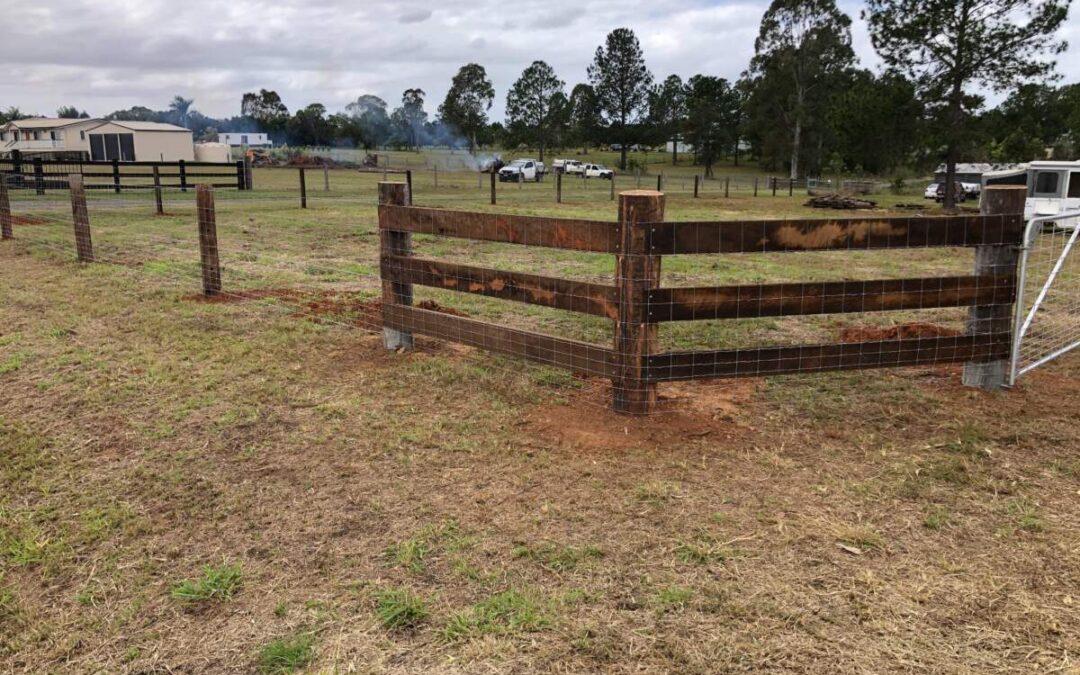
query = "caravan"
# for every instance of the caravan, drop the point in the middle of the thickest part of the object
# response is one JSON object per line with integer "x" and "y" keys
{"x": 1053, "y": 187}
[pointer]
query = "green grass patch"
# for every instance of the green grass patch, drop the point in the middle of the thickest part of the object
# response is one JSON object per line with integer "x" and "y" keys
{"x": 216, "y": 583}
{"x": 287, "y": 655}
{"x": 399, "y": 608}
{"x": 556, "y": 557}
{"x": 507, "y": 613}
{"x": 672, "y": 598}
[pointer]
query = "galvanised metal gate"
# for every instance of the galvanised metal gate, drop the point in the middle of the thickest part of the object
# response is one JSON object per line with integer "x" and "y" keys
{"x": 1047, "y": 323}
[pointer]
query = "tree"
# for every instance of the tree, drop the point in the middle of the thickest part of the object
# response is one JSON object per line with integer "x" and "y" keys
{"x": 137, "y": 113}
{"x": 874, "y": 122}
{"x": 180, "y": 109}
{"x": 11, "y": 114}
{"x": 368, "y": 123}
{"x": 712, "y": 110}
{"x": 70, "y": 112}
{"x": 409, "y": 119}
{"x": 1031, "y": 119}
{"x": 621, "y": 82}
{"x": 801, "y": 47}
{"x": 536, "y": 102}
{"x": 948, "y": 47}
{"x": 667, "y": 112}
{"x": 309, "y": 126}
{"x": 266, "y": 110}
{"x": 469, "y": 98}
{"x": 585, "y": 119}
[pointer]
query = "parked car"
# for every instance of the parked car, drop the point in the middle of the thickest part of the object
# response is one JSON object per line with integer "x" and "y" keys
{"x": 961, "y": 193}
{"x": 522, "y": 170}
{"x": 972, "y": 190}
{"x": 598, "y": 171}
{"x": 570, "y": 166}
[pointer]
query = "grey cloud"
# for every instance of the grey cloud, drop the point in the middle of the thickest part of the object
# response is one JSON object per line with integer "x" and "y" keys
{"x": 415, "y": 16}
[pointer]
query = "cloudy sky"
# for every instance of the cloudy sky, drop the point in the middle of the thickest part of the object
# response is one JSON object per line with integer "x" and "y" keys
{"x": 102, "y": 55}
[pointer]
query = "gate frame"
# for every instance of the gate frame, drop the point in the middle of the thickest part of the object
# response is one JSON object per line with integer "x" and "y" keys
{"x": 1022, "y": 321}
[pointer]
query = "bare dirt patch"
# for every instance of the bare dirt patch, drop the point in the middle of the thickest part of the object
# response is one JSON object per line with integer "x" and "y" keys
{"x": 28, "y": 220}
{"x": 687, "y": 410}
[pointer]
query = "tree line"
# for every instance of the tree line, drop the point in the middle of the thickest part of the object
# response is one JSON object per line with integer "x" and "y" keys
{"x": 803, "y": 105}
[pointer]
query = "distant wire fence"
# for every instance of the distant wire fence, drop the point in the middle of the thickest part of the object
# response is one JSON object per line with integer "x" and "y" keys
{"x": 41, "y": 175}
{"x": 373, "y": 287}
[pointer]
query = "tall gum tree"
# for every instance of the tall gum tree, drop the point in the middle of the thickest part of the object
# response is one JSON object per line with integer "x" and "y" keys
{"x": 467, "y": 101}
{"x": 536, "y": 103}
{"x": 801, "y": 49}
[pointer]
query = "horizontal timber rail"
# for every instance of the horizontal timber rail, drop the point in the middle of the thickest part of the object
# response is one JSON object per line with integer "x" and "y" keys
{"x": 637, "y": 303}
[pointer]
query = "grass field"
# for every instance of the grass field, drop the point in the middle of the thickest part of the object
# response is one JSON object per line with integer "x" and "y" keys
{"x": 256, "y": 485}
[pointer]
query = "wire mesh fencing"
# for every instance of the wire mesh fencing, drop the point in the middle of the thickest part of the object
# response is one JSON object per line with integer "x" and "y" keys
{"x": 736, "y": 298}
{"x": 1048, "y": 312}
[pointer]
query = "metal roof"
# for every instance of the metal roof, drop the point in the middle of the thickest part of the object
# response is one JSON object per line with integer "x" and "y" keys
{"x": 47, "y": 122}
{"x": 144, "y": 126}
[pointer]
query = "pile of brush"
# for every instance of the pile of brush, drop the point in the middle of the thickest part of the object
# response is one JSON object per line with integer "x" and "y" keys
{"x": 837, "y": 200}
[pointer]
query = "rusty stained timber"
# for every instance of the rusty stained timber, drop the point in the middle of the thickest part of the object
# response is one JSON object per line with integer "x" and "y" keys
{"x": 831, "y": 297}
{"x": 576, "y": 235}
{"x": 566, "y": 294}
{"x": 767, "y": 236}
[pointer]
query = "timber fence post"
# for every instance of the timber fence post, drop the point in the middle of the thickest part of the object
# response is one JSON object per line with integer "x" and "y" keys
{"x": 1001, "y": 260}
{"x": 208, "y": 246}
{"x": 493, "y": 187}
{"x": 303, "y": 189}
{"x": 159, "y": 205}
{"x": 326, "y": 178}
{"x": 5, "y": 210}
{"x": 558, "y": 187}
{"x": 393, "y": 244}
{"x": 697, "y": 185}
{"x": 84, "y": 248}
{"x": 39, "y": 176}
{"x": 636, "y": 274}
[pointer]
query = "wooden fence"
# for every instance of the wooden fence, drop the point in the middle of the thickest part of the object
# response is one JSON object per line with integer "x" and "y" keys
{"x": 637, "y": 303}
{"x": 41, "y": 175}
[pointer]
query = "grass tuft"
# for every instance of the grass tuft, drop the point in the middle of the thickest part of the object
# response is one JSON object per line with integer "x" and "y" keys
{"x": 399, "y": 608}
{"x": 216, "y": 583}
{"x": 507, "y": 613}
{"x": 558, "y": 558}
{"x": 286, "y": 655}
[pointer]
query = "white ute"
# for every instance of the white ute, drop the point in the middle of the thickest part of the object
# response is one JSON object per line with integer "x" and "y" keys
{"x": 598, "y": 171}
{"x": 522, "y": 170}
{"x": 568, "y": 166}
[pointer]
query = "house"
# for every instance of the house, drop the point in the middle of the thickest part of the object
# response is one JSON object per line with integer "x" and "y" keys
{"x": 96, "y": 139}
{"x": 40, "y": 136}
{"x": 245, "y": 139}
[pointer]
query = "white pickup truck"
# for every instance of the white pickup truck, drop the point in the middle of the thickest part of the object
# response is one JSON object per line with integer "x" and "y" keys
{"x": 568, "y": 166}
{"x": 598, "y": 171}
{"x": 522, "y": 170}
